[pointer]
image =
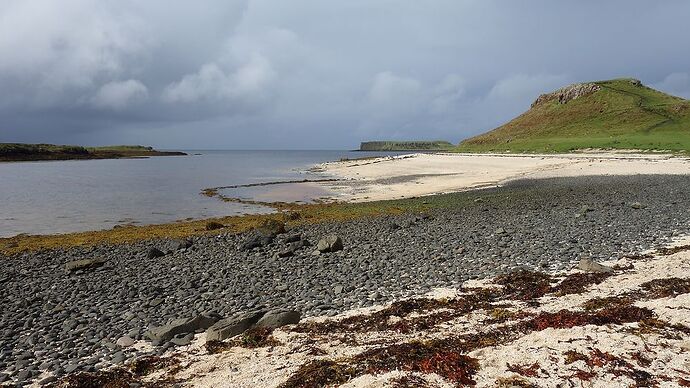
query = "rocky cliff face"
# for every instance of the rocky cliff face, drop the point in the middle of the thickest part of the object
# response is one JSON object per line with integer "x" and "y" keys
{"x": 568, "y": 93}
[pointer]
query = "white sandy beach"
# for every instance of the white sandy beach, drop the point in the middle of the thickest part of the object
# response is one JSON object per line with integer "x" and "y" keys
{"x": 424, "y": 174}
{"x": 669, "y": 355}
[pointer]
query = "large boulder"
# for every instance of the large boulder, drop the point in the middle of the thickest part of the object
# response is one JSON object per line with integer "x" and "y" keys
{"x": 276, "y": 319}
{"x": 83, "y": 264}
{"x": 241, "y": 322}
{"x": 330, "y": 243}
{"x": 153, "y": 253}
{"x": 588, "y": 265}
{"x": 256, "y": 239}
{"x": 180, "y": 326}
{"x": 232, "y": 326}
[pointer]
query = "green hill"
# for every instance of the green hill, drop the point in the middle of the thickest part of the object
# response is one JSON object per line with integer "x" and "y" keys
{"x": 615, "y": 114}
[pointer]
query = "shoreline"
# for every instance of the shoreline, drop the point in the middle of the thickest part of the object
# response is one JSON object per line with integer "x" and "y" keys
{"x": 375, "y": 186}
{"x": 416, "y": 175}
{"x": 78, "y": 317}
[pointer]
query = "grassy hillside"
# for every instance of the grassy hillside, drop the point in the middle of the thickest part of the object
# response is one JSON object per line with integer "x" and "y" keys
{"x": 405, "y": 146}
{"x": 619, "y": 114}
{"x": 10, "y": 152}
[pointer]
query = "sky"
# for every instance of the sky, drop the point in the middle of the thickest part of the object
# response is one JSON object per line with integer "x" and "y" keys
{"x": 313, "y": 74}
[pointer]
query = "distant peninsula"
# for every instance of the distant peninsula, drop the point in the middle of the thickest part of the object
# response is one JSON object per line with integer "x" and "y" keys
{"x": 437, "y": 145}
{"x": 17, "y": 152}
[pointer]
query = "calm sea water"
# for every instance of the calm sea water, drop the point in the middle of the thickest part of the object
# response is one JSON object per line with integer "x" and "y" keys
{"x": 79, "y": 195}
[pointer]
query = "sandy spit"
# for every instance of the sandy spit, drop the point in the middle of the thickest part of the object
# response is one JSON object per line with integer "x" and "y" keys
{"x": 425, "y": 174}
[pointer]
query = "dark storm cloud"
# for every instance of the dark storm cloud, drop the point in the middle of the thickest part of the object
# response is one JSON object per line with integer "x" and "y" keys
{"x": 313, "y": 74}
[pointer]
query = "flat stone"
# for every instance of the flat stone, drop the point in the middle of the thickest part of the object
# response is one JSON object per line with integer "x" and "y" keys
{"x": 71, "y": 368}
{"x": 125, "y": 342}
{"x": 588, "y": 265}
{"x": 232, "y": 326}
{"x": 83, "y": 264}
{"x": 180, "y": 326}
{"x": 276, "y": 319}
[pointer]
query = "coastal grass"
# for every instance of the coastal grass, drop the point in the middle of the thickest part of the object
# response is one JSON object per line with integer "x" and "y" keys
{"x": 621, "y": 115}
{"x": 291, "y": 214}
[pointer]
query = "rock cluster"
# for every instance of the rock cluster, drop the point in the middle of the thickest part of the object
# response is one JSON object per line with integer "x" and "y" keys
{"x": 567, "y": 94}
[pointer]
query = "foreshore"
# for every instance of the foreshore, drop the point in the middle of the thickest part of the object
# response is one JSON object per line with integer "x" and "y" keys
{"x": 59, "y": 322}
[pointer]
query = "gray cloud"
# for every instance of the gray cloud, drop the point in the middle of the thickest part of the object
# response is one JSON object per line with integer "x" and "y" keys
{"x": 313, "y": 74}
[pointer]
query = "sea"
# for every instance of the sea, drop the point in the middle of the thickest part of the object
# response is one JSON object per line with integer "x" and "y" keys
{"x": 49, "y": 197}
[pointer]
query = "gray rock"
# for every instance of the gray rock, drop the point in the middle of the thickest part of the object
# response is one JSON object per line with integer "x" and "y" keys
{"x": 184, "y": 244}
{"x": 276, "y": 319}
{"x": 256, "y": 239}
{"x": 83, "y": 264}
{"x": 24, "y": 375}
{"x": 4, "y": 377}
{"x": 71, "y": 368}
{"x": 637, "y": 205}
{"x": 588, "y": 265}
{"x": 232, "y": 326}
{"x": 293, "y": 238}
{"x": 125, "y": 342}
{"x": 330, "y": 243}
{"x": 48, "y": 380}
{"x": 153, "y": 253}
{"x": 180, "y": 326}
{"x": 182, "y": 340}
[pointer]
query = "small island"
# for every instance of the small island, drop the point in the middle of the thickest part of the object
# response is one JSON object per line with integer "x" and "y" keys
{"x": 17, "y": 152}
{"x": 435, "y": 145}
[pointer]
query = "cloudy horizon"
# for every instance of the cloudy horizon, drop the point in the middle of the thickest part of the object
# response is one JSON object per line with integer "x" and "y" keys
{"x": 259, "y": 74}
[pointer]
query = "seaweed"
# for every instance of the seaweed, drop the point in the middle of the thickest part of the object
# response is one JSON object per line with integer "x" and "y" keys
{"x": 257, "y": 337}
{"x": 147, "y": 365}
{"x": 380, "y": 320}
{"x": 116, "y": 378}
{"x": 525, "y": 370}
{"x": 524, "y": 284}
{"x": 664, "y": 288}
{"x": 578, "y": 282}
{"x": 409, "y": 381}
{"x": 614, "y": 365}
{"x": 121, "y": 377}
{"x": 442, "y": 357}
{"x": 572, "y": 356}
{"x": 513, "y": 382}
{"x": 566, "y": 319}
{"x": 673, "y": 250}
{"x": 318, "y": 373}
{"x": 599, "y": 303}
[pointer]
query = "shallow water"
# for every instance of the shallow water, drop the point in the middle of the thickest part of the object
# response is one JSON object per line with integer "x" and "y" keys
{"x": 79, "y": 195}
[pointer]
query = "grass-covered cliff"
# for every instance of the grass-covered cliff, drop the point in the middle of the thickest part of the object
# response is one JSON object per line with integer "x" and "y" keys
{"x": 615, "y": 114}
